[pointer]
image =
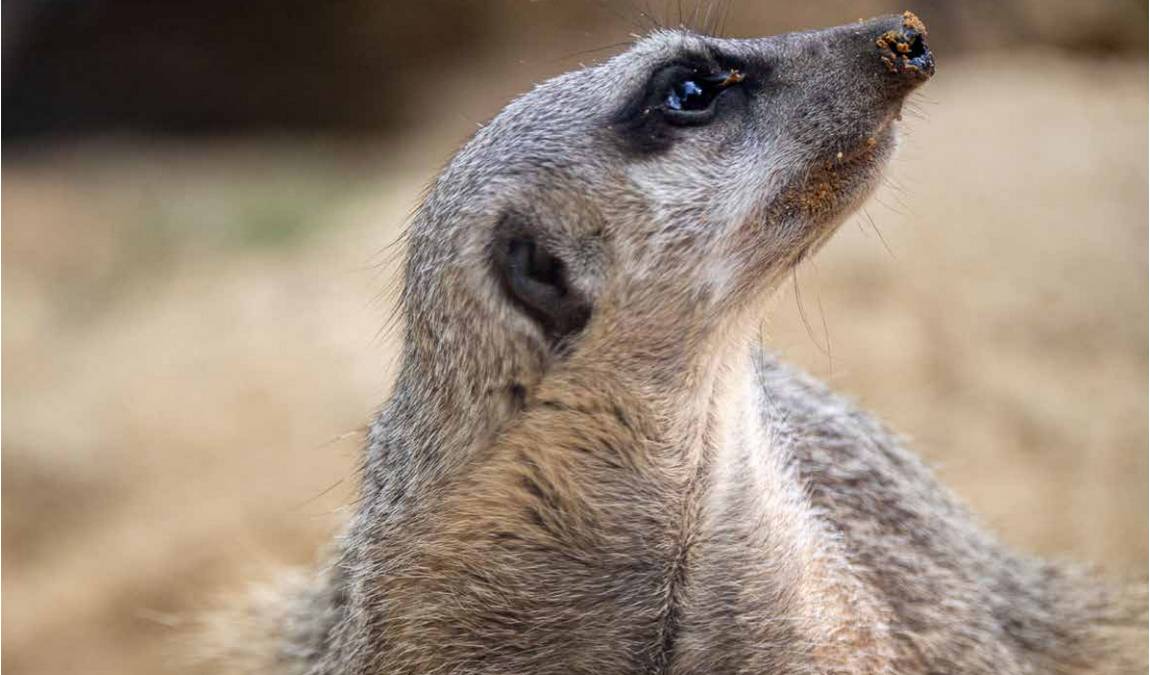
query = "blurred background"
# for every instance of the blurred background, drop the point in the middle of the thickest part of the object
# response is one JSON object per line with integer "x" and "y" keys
{"x": 199, "y": 206}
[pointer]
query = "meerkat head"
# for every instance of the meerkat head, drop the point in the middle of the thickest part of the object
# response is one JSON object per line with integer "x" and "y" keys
{"x": 671, "y": 185}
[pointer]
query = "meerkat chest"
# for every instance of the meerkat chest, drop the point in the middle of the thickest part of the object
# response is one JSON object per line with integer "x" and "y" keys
{"x": 767, "y": 587}
{"x": 576, "y": 552}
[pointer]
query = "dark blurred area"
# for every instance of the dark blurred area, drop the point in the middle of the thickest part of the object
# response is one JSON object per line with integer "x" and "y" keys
{"x": 91, "y": 66}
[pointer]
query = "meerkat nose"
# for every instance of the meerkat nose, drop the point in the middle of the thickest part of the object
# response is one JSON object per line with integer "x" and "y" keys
{"x": 904, "y": 51}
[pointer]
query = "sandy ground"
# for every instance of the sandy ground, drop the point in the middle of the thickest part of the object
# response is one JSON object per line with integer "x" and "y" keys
{"x": 183, "y": 392}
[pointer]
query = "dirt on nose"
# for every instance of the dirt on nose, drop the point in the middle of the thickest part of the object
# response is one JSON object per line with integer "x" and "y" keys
{"x": 904, "y": 49}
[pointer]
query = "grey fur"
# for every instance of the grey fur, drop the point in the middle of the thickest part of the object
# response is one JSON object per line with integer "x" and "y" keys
{"x": 655, "y": 495}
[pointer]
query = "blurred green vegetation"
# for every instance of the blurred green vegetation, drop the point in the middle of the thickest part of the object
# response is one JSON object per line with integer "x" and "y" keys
{"x": 97, "y": 224}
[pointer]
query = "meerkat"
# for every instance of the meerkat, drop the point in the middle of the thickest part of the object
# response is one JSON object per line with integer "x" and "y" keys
{"x": 588, "y": 464}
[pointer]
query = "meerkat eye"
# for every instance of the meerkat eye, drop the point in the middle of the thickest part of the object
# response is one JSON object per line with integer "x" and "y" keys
{"x": 690, "y": 97}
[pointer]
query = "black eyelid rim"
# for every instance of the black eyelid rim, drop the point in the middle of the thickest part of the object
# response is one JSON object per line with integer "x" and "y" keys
{"x": 711, "y": 67}
{"x": 709, "y": 57}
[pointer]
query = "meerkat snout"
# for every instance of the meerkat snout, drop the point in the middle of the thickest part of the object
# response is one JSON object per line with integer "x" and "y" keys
{"x": 904, "y": 50}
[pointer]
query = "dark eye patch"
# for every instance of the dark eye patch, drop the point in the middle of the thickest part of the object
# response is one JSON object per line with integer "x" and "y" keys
{"x": 682, "y": 93}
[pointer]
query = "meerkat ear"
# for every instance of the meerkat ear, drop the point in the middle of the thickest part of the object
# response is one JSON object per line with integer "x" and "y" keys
{"x": 538, "y": 282}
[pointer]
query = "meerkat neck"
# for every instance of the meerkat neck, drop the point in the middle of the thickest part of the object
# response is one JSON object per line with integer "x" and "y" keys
{"x": 587, "y": 497}
{"x": 450, "y": 402}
